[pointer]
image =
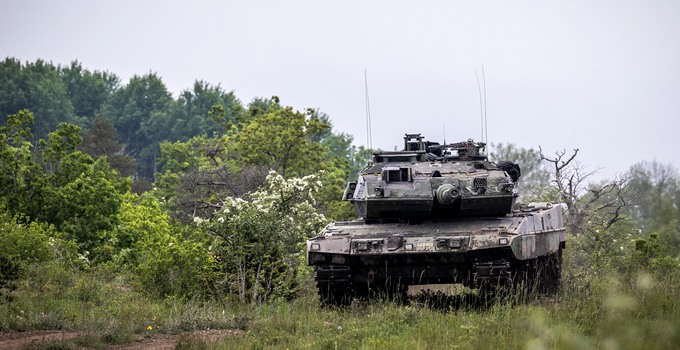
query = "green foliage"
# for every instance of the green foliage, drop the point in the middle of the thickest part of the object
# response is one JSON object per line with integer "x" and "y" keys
{"x": 654, "y": 192}
{"x": 141, "y": 112}
{"x": 166, "y": 259}
{"x": 605, "y": 311}
{"x": 19, "y": 174}
{"x": 61, "y": 143}
{"x": 281, "y": 139}
{"x": 196, "y": 174}
{"x": 652, "y": 255}
{"x": 86, "y": 208}
{"x": 170, "y": 265}
{"x": 36, "y": 86}
{"x": 359, "y": 158}
{"x": 58, "y": 185}
{"x": 88, "y": 91}
{"x": 259, "y": 242}
{"x": 333, "y": 184}
{"x": 106, "y": 308}
{"x": 204, "y": 110}
{"x": 101, "y": 140}
{"x": 21, "y": 243}
{"x": 24, "y": 242}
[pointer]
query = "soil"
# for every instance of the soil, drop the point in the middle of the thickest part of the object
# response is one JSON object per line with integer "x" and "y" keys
{"x": 37, "y": 339}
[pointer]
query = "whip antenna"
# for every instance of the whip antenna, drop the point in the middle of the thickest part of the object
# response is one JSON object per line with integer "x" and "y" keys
{"x": 369, "y": 137}
{"x": 486, "y": 128}
{"x": 444, "y": 129}
{"x": 481, "y": 106}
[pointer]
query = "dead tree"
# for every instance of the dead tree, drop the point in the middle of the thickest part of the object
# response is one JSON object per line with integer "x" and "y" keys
{"x": 584, "y": 200}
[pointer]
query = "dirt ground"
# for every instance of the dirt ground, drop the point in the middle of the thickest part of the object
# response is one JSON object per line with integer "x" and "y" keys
{"x": 31, "y": 339}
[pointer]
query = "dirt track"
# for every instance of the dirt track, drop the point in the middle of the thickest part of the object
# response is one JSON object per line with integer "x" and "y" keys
{"x": 21, "y": 340}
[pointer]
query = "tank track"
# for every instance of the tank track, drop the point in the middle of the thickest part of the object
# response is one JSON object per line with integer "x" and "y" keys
{"x": 504, "y": 278}
{"x": 493, "y": 278}
{"x": 334, "y": 284}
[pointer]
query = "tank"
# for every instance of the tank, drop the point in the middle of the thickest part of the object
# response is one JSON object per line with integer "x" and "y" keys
{"x": 434, "y": 218}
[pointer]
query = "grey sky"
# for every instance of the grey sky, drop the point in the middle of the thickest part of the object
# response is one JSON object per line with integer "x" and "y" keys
{"x": 602, "y": 76}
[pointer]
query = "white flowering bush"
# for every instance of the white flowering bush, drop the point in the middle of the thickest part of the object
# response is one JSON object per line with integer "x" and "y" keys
{"x": 260, "y": 240}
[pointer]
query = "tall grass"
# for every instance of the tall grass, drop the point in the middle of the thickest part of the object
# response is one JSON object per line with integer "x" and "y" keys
{"x": 609, "y": 313}
{"x": 607, "y": 310}
{"x": 107, "y": 307}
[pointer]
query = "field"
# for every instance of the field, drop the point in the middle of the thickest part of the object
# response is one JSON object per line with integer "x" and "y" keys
{"x": 95, "y": 309}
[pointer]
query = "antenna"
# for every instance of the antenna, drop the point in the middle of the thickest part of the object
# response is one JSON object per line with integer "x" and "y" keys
{"x": 444, "y": 129}
{"x": 486, "y": 129}
{"x": 369, "y": 138}
{"x": 482, "y": 107}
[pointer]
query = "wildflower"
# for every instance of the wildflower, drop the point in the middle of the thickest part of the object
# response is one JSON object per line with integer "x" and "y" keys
{"x": 149, "y": 328}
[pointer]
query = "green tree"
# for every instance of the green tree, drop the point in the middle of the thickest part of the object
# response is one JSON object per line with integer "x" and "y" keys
{"x": 101, "y": 140}
{"x": 197, "y": 173}
{"x": 21, "y": 178}
{"x": 256, "y": 107}
{"x": 61, "y": 143}
{"x": 654, "y": 189}
{"x": 341, "y": 146}
{"x": 13, "y": 88}
{"x": 88, "y": 91}
{"x": 282, "y": 139}
{"x": 87, "y": 208}
{"x": 141, "y": 113}
{"x": 38, "y": 87}
{"x": 192, "y": 115}
{"x": 56, "y": 184}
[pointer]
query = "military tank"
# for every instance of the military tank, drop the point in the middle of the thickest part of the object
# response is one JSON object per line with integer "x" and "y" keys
{"x": 435, "y": 217}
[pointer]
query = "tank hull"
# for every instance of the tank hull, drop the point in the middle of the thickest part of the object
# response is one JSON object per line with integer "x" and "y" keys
{"x": 362, "y": 259}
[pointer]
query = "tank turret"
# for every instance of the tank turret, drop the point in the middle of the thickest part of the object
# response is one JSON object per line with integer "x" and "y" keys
{"x": 430, "y": 180}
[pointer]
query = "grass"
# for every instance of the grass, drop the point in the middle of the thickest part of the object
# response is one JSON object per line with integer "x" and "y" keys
{"x": 641, "y": 315}
{"x": 606, "y": 310}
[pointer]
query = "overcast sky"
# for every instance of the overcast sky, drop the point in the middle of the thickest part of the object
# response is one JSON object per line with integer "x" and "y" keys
{"x": 601, "y": 76}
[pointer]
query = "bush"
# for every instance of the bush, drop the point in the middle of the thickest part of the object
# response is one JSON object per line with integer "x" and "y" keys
{"x": 167, "y": 259}
{"x": 21, "y": 243}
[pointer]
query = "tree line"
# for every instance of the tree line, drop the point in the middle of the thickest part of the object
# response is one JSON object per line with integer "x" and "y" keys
{"x": 142, "y": 111}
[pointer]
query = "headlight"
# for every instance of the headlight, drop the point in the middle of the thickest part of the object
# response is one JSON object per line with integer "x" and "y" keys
{"x": 362, "y": 246}
{"x": 455, "y": 243}
{"x": 503, "y": 241}
{"x": 408, "y": 246}
{"x": 315, "y": 246}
